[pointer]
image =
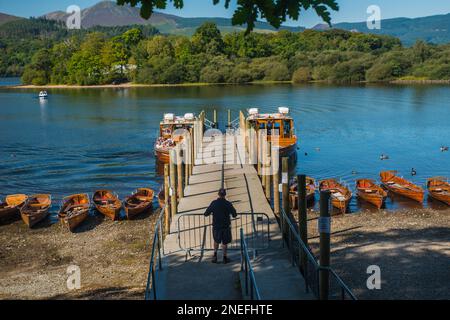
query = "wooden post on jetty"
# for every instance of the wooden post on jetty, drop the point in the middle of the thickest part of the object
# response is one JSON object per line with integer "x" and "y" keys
{"x": 276, "y": 180}
{"x": 302, "y": 218}
{"x": 179, "y": 162}
{"x": 229, "y": 118}
{"x": 173, "y": 182}
{"x": 268, "y": 169}
{"x": 263, "y": 156}
{"x": 285, "y": 191}
{"x": 258, "y": 152}
{"x": 187, "y": 160}
{"x": 216, "y": 124}
{"x": 325, "y": 231}
{"x": 167, "y": 212}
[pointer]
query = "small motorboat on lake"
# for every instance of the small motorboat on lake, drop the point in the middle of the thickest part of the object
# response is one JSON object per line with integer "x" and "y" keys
{"x": 36, "y": 209}
{"x": 340, "y": 194}
{"x": 12, "y": 205}
{"x": 310, "y": 191}
{"x": 74, "y": 210}
{"x": 107, "y": 203}
{"x": 369, "y": 191}
{"x": 140, "y": 202}
{"x": 439, "y": 189}
{"x": 279, "y": 127}
{"x": 401, "y": 186}
{"x": 43, "y": 95}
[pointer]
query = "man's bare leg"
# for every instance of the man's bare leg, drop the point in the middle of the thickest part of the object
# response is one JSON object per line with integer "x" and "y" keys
{"x": 216, "y": 248}
{"x": 225, "y": 256}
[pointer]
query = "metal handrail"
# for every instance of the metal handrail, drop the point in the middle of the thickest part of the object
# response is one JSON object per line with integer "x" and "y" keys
{"x": 259, "y": 233}
{"x": 156, "y": 254}
{"x": 293, "y": 232}
{"x": 247, "y": 267}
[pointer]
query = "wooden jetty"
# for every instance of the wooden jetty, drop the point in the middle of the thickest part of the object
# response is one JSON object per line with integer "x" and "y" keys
{"x": 180, "y": 266}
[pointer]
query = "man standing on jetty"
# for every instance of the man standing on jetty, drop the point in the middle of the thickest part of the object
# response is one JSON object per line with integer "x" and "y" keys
{"x": 221, "y": 209}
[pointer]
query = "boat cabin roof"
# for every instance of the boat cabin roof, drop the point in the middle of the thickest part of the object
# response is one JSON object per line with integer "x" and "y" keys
{"x": 178, "y": 121}
{"x": 268, "y": 116}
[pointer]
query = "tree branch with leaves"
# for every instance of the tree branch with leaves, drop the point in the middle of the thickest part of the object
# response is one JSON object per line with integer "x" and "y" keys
{"x": 249, "y": 11}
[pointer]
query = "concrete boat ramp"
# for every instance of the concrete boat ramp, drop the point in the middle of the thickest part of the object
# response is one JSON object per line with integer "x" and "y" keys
{"x": 188, "y": 273}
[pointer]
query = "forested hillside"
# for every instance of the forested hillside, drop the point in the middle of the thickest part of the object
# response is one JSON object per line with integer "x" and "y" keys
{"x": 335, "y": 55}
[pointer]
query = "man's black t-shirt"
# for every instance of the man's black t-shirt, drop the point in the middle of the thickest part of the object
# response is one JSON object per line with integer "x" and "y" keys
{"x": 221, "y": 210}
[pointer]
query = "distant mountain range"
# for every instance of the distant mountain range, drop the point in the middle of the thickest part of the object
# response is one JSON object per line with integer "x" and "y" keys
{"x": 107, "y": 13}
{"x": 435, "y": 29}
{"x": 4, "y": 18}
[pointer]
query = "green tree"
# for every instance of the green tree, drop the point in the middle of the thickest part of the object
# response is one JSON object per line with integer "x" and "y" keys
{"x": 208, "y": 39}
{"x": 301, "y": 75}
{"x": 248, "y": 11}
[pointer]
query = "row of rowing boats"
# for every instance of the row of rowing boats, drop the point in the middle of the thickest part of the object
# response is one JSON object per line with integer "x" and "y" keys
{"x": 75, "y": 208}
{"x": 368, "y": 190}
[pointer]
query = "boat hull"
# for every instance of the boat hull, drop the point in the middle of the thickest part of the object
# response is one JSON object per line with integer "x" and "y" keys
{"x": 162, "y": 156}
{"x": 111, "y": 213}
{"x": 413, "y": 195}
{"x": 288, "y": 151}
{"x": 8, "y": 213}
{"x": 132, "y": 213}
{"x": 340, "y": 195}
{"x": 32, "y": 219}
{"x": 375, "y": 199}
{"x": 439, "y": 197}
{"x": 72, "y": 223}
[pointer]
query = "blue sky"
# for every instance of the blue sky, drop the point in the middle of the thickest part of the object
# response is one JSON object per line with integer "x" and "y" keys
{"x": 351, "y": 10}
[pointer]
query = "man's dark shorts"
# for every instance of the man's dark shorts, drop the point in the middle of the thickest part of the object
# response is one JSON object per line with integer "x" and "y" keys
{"x": 222, "y": 236}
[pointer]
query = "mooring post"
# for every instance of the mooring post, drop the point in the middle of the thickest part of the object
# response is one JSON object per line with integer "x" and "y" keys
{"x": 268, "y": 170}
{"x": 276, "y": 180}
{"x": 263, "y": 160}
{"x": 187, "y": 160}
{"x": 216, "y": 124}
{"x": 324, "y": 230}
{"x": 285, "y": 191}
{"x": 173, "y": 182}
{"x": 229, "y": 118}
{"x": 166, "y": 198}
{"x": 179, "y": 162}
{"x": 258, "y": 152}
{"x": 302, "y": 218}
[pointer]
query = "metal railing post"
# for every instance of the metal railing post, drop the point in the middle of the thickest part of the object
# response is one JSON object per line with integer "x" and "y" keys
{"x": 324, "y": 230}
{"x": 302, "y": 217}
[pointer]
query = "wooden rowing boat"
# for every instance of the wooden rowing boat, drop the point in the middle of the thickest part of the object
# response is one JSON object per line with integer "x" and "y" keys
{"x": 340, "y": 194}
{"x": 401, "y": 186}
{"x": 310, "y": 191}
{"x": 369, "y": 191}
{"x": 140, "y": 202}
{"x": 107, "y": 203}
{"x": 74, "y": 210}
{"x": 12, "y": 205}
{"x": 36, "y": 209}
{"x": 439, "y": 189}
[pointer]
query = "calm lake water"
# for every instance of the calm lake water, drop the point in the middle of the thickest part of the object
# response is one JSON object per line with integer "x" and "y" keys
{"x": 82, "y": 140}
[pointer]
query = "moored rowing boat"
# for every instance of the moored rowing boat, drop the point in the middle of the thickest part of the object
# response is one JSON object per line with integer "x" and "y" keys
{"x": 340, "y": 194}
{"x": 140, "y": 202}
{"x": 74, "y": 210}
{"x": 310, "y": 191}
{"x": 439, "y": 189}
{"x": 12, "y": 205}
{"x": 107, "y": 203}
{"x": 36, "y": 209}
{"x": 401, "y": 186}
{"x": 369, "y": 191}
